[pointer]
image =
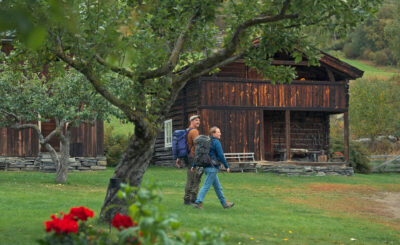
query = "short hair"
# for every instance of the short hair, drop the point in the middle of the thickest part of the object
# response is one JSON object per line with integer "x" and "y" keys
{"x": 213, "y": 130}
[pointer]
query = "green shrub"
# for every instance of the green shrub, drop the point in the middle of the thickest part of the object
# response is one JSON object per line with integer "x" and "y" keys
{"x": 381, "y": 58}
{"x": 358, "y": 154}
{"x": 114, "y": 145}
{"x": 351, "y": 51}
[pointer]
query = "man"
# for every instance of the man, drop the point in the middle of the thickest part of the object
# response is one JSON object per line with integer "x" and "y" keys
{"x": 193, "y": 178}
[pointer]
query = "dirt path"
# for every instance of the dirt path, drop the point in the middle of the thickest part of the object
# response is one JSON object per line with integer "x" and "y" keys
{"x": 391, "y": 200}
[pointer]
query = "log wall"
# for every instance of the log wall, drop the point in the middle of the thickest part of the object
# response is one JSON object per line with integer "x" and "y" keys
{"x": 180, "y": 112}
{"x": 301, "y": 95}
{"x": 23, "y": 142}
{"x": 87, "y": 140}
{"x": 240, "y": 129}
{"x": 308, "y": 130}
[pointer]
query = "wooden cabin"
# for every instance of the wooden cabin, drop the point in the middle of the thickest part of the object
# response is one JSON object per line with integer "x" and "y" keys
{"x": 257, "y": 116}
{"x": 87, "y": 140}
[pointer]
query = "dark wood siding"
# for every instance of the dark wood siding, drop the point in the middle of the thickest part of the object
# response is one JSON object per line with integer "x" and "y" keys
{"x": 47, "y": 128}
{"x": 24, "y": 143}
{"x": 308, "y": 130}
{"x": 87, "y": 140}
{"x": 240, "y": 128}
{"x": 184, "y": 107}
{"x": 315, "y": 95}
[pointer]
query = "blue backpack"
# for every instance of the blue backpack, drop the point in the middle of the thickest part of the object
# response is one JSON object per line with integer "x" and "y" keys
{"x": 180, "y": 147}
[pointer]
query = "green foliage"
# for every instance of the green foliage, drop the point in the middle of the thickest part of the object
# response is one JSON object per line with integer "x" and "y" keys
{"x": 376, "y": 34}
{"x": 381, "y": 58}
{"x": 358, "y": 154}
{"x": 59, "y": 93}
{"x": 142, "y": 56}
{"x": 374, "y": 107}
{"x": 155, "y": 226}
{"x": 114, "y": 145}
{"x": 149, "y": 224}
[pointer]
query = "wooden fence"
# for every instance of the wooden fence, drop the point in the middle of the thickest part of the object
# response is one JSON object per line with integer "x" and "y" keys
{"x": 385, "y": 163}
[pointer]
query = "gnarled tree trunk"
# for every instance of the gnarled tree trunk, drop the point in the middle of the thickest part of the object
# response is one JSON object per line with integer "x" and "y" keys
{"x": 131, "y": 169}
{"x": 62, "y": 168}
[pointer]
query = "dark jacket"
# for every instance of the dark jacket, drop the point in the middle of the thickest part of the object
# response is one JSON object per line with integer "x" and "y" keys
{"x": 216, "y": 152}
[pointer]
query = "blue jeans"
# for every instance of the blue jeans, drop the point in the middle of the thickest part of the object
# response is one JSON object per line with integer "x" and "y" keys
{"x": 211, "y": 179}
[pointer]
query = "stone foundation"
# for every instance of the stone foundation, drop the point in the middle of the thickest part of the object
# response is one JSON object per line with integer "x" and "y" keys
{"x": 296, "y": 170}
{"x": 44, "y": 163}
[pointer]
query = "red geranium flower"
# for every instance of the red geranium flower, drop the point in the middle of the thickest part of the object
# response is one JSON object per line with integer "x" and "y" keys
{"x": 64, "y": 225}
{"x": 122, "y": 221}
{"x": 81, "y": 213}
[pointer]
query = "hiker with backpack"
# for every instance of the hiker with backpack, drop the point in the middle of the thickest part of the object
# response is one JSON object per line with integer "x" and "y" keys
{"x": 183, "y": 149}
{"x": 209, "y": 155}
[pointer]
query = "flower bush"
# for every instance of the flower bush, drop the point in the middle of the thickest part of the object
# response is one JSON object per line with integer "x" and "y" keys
{"x": 145, "y": 223}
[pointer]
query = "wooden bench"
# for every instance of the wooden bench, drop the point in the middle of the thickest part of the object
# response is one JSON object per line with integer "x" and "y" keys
{"x": 244, "y": 160}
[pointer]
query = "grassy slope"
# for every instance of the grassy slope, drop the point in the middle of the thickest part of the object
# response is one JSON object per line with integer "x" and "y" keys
{"x": 370, "y": 70}
{"x": 268, "y": 208}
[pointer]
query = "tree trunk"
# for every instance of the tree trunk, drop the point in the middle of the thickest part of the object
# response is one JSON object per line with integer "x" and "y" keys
{"x": 62, "y": 170}
{"x": 132, "y": 167}
{"x": 53, "y": 154}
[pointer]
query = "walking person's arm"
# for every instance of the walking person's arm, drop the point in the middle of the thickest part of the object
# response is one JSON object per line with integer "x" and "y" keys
{"x": 220, "y": 155}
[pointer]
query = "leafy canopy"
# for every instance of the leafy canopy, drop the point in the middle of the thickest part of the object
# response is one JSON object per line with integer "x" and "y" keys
{"x": 27, "y": 97}
{"x": 138, "y": 54}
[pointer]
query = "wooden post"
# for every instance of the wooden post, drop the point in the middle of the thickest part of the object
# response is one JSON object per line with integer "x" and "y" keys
{"x": 346, "y": 137}
{"x": 287, "y": 131}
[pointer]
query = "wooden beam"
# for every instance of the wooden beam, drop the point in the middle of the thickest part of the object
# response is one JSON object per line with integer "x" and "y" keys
{"x": 289, "y": 62}
{"x": 287, "y": 132}
{"x": 330, "y": 75}
{"x": 346, "y": 138}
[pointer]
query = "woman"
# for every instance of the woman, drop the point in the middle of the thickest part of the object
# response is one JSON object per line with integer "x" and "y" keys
{"x": 216, "y": 154}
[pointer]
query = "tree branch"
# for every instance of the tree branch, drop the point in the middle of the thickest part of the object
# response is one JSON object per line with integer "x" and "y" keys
{"x": 135, "y": 116}
{"x": 10, "y": 114}
{"x": 32, "y": 126}
{"x": 116, "y": 69}
{"x": 231, "y": 48}
{"x": 174, "y": 56}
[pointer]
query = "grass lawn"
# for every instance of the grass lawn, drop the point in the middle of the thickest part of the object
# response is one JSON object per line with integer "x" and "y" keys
{"x": 269, "y": 209}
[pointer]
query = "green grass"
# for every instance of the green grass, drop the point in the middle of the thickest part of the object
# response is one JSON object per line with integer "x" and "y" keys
{"x": 268, "y": 208}
{"x": 370, "y": 70}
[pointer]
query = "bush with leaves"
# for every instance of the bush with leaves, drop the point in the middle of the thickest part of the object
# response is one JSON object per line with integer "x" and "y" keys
{"x": 146, "y": 222}
{"x": 358, "y": 154}
{"x": 114, "y": 146}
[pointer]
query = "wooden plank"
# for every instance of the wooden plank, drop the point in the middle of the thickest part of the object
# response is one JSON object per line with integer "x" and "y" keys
{"x": 346, "y": 137}
{"x": 287, "y": 132}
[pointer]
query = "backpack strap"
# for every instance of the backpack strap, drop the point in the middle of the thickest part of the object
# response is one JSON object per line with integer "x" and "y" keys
{"x": 188, "y": 130}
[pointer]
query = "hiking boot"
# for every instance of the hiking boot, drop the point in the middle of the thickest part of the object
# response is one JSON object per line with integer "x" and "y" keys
{"x": 187, "y": 202}
{"x": 228, "y": 204}
{"x": 197, "y": 205}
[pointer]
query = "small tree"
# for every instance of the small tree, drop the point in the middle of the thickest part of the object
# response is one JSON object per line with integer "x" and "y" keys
{"x": 29, "y": 97}
{"x": 374, "y": 108}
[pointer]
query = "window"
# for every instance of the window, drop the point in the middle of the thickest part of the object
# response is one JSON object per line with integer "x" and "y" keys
{"x": 168, "y": 133}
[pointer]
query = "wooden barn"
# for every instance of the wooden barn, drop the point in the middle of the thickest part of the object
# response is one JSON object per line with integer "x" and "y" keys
{"x": 275, "y": 122}
{"x": 87, "y": 140}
